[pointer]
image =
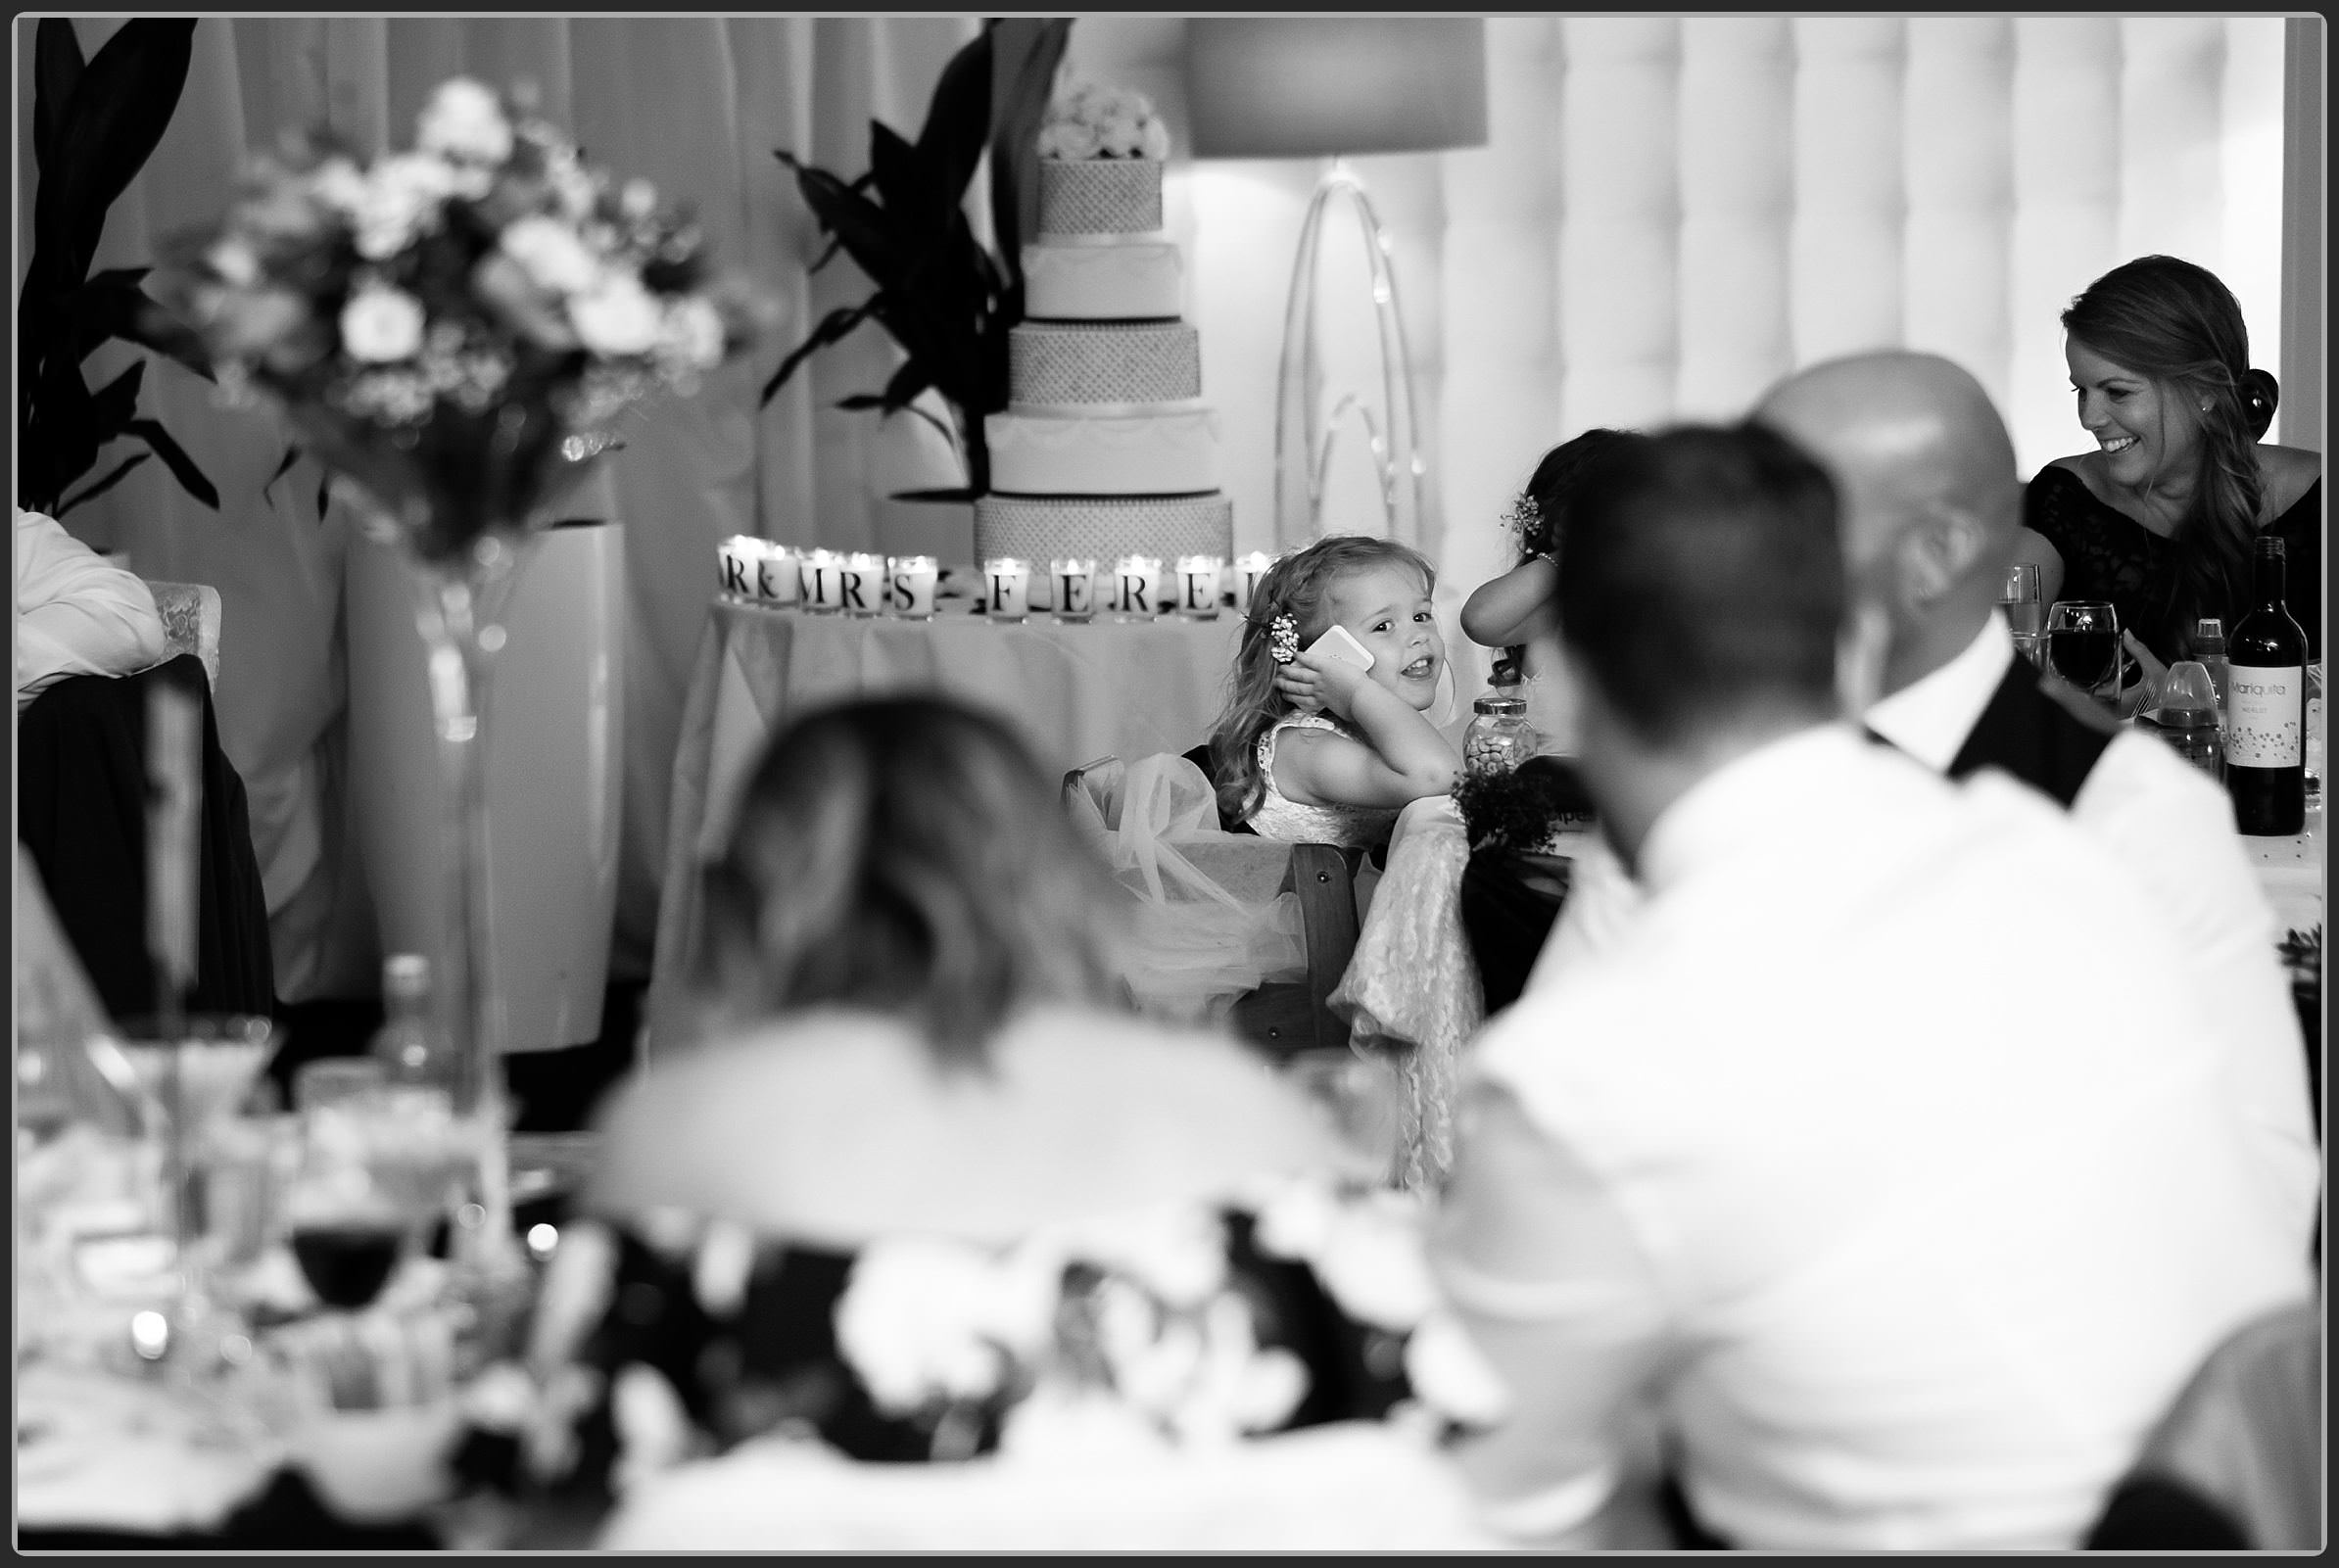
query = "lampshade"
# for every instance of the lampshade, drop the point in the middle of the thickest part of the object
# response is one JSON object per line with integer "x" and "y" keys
{"x": 1323, "y": 86}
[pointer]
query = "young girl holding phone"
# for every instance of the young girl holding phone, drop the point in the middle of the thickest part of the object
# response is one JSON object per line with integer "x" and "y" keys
{"x": 1326, "y": 735}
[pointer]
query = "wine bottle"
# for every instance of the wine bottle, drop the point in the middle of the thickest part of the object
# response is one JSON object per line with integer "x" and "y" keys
{"x": 2266, "y": 707}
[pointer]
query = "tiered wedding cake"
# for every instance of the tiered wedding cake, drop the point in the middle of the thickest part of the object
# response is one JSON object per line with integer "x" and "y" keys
{"x": 1106, "y": 447}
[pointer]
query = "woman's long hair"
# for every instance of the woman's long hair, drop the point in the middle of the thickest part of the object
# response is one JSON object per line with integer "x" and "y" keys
{"x": 1295, "y": 586}
{"x": 2176, "y": 323}
{"x": 909, "y": 856}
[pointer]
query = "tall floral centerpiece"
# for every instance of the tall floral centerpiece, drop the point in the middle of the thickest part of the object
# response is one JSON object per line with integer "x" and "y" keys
{"x": 454, "y": 329}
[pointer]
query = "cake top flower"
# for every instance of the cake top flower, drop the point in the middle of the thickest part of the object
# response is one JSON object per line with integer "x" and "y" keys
{"x": 1088, "y": 120}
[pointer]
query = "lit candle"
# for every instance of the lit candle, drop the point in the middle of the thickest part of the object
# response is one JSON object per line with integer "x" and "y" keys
{"x": 1198, "y": 579}
{"x": 861, "y": 583}
{"x": 1007, "y": 587}
{"x": 1073, "y": 578}
{"x": 736, "y": 559}
{"x": 1137, "y": 588}
{"x": 823, "y": 574}
{"x": 913, "y": 586}
{"x": 1248, "y": 570}
{"x": 779, "y": 575}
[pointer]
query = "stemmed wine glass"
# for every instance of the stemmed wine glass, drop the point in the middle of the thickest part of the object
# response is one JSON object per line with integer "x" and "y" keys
{"x": 2083, "y": 644}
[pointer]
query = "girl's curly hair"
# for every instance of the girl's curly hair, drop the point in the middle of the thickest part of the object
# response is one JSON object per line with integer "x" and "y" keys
{"x": 1297, "y": 585}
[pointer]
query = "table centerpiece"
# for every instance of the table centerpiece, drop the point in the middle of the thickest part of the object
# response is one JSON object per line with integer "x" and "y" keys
{"x": 453, "y": 330}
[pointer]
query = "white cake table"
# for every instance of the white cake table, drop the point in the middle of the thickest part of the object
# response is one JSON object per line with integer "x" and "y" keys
{"x": 1075, "y": 692}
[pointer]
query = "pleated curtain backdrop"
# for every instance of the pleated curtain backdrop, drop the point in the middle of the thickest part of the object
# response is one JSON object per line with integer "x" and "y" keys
{"x": 1670, "y": 214}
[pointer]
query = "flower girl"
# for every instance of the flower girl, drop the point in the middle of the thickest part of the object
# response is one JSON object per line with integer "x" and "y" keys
{"x": 1325, "y": 733}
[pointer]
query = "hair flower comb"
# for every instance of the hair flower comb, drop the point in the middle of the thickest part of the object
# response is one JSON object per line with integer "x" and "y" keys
{"x": 1283, "y": 639}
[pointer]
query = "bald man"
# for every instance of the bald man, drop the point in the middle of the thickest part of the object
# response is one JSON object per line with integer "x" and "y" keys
{"x": 1931, "y": 508}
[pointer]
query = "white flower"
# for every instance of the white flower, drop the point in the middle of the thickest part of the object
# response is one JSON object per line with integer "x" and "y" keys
{"x": 1069, "y": 139}
{"x": 639, "y": 200}
{"x": 1157, "y": 141}
{"x": 617, "y": 316}
{"x": 719, "y": 1274}
{"x": 1121, "y": 138}
{"x": 1177, "y": 1250}
{"x": 654, "y": 1430}
{"x": 693, "y": 333}
{"x": 1373, "y": 1265}
{"x": 1450, "y": 1373}
{"x": 1062, "y": 1424}
{"x": 500, "y": 1399}
{"x": 917, "y": 1320}
{"x": 402, "y": 200}
{"x": 549, "y": 251}
{"x": 236, "y": 261}
{"x": 1296, "y": 1221}
{"x": 381, "y": 325}
{"x": 340, "y": 184}
{"x": 1127, "y": 103}
{"x": 1241, "y": 1387}
{"x": 464, "y": 121}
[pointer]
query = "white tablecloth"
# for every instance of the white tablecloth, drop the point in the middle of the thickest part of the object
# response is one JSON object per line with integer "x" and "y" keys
{"x": 1076, "y": 693}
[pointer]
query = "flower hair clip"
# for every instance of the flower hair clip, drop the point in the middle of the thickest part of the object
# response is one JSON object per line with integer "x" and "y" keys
{"x": 1283, "y": 639}
{"x": 1522, "y": 516}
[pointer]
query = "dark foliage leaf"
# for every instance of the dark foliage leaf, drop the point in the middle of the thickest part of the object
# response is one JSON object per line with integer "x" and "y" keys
{"x": 1016, "y": 117}
{"x": 833, "y": 327}
{"x": 174, "y": 458}
{"x": 102, "y": 486}
{"x": 909, "y": 187}
{"x": 958, "y": 118}
{"x": 284, "y": 465}
{"x": 116, "y": 403}
{"x": 55, "y": 72}
{"x": 105, "y": 132}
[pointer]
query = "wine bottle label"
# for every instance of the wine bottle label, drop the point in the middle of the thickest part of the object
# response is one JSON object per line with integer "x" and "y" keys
{"x": 2264, "y": 705}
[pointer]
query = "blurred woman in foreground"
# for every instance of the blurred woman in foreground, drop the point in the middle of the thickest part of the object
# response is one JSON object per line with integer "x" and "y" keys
{"x": 925, "y": 1195}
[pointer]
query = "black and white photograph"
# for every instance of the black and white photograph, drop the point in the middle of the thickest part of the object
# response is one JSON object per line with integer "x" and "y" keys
{"x": 1316, "y": 784}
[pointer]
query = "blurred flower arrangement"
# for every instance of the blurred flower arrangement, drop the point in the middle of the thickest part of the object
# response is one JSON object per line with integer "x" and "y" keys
{"x": 456, "y": 326}
{"x": 1088, "y": 120}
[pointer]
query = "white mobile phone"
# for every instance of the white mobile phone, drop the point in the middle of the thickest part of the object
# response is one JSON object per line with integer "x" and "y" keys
{"x": 1339, "y": 642}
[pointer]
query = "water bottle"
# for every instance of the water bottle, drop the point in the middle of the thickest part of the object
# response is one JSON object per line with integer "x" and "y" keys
{"x": 410, "y": 1046}
{"x": 2209, "y": 651}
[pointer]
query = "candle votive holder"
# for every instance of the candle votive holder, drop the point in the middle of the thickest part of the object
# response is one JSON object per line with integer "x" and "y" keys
{"x": 1137, "y": 581}
{"x": 1073, "y": 578}
{"x": 912, "y": 584}
{"x": 861, "y": 583}
{"x": 1006, "y": 588}
{"x": 779, "y": 576}
{"x": 735, "y": 560}
{"x": 1198, "y": 581}
{"x": 1244, "y": 578}
{"x": 823, "y": 573}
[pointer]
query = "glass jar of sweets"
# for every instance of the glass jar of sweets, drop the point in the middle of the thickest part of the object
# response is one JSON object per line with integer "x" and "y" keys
{"x": 1499, "y": 738}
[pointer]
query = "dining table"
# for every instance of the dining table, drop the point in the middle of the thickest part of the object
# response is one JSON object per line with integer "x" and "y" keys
{"x": 217, "y": 1451}
{"x": 1076, "y": 692}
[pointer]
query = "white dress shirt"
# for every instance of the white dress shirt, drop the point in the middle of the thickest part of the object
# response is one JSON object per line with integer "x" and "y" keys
{"x": 1907, "y": 1231}
{"x": 2171, "y": 827}
{"x": 77, "y": 614}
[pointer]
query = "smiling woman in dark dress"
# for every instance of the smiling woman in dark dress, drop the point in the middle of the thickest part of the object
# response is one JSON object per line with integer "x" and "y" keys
{"x": 2158, "y": 518}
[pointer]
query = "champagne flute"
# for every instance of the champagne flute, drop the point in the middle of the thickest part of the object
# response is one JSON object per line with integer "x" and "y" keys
{"x": 2082, "y": 645}
{"x": 2018, "y": 596}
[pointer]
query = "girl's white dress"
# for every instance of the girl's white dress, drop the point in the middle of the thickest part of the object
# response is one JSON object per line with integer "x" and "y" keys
{"x": 1343, "y": 826}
